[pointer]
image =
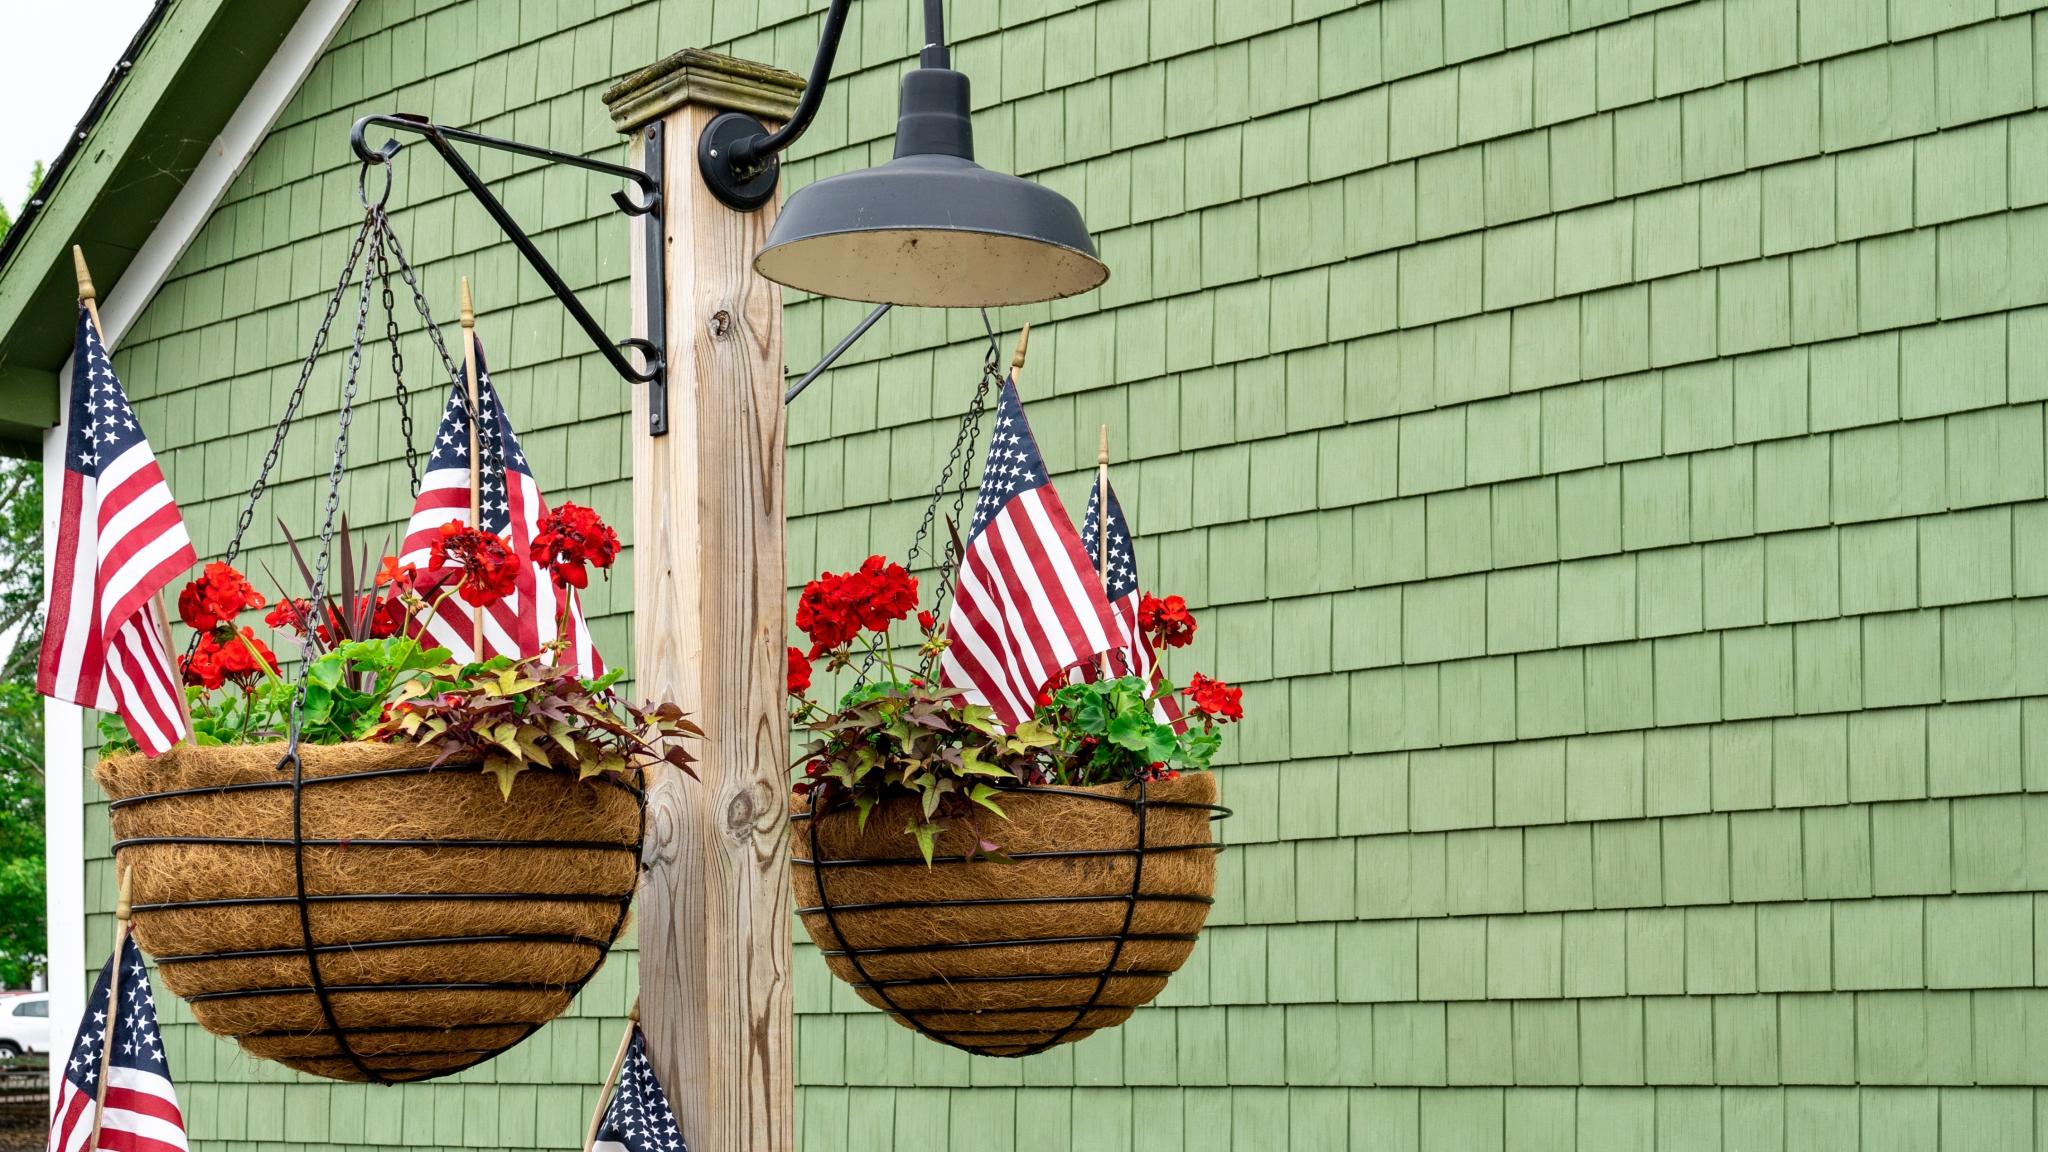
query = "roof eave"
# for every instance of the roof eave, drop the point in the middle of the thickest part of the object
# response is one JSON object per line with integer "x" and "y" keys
{"x": 186, "y": 82}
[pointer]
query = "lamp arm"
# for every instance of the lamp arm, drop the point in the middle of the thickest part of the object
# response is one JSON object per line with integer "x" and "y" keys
{"x": 749, "y": 154}
{"x": 739, "y": 158}
{"x": 934, "y": 54}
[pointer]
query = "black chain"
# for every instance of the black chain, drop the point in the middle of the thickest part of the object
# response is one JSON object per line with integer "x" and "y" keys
{"x": 954, "y": 475}
{"x": 377, "y": 235}
{"x": 419, "y": 300}
{"x": 342, "y": 421}
{"x": 412, "y": 456}
{"x": 291, "y": 407}
{"x": 962, "y": 456}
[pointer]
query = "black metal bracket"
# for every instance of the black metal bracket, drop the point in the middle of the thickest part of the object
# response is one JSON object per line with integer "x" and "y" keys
{"x": 647, "y": 179}
{"x": 738, "y": 156}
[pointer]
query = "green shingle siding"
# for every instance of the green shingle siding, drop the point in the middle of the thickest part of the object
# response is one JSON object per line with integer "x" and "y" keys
{"x": 1605, "y": 438}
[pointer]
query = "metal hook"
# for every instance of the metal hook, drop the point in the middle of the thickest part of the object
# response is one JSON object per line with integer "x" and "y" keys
{"x": 632, "y": 207}
{"x": 650, "y": 355}
{"x": 363, "y": 176}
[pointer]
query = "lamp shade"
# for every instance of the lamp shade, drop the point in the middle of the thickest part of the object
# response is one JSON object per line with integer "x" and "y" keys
{"x": 931, "y": 228}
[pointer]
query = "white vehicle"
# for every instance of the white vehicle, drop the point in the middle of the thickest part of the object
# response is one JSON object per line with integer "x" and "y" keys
{"x": 24, "y": 1024}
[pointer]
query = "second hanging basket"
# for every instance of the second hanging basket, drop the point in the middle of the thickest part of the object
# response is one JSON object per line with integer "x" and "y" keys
{"x": 1102, "y": 897}
{"x": 370, "y": 917}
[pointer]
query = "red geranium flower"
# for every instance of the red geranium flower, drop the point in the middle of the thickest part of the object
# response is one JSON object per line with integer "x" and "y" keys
{"x": 926, "y": 622}
{"x": 1167, "y": 622}
{"x": 295, "y": 614}
{"x": 1215, "y": 700}
{"x": 242, "y": 658}
{"x": 836, "y": 607}
{"x": 202, "y": 667}
{"x": 572, "y": 539}
{"x": 799, "y": 675}
{"x": 216, "y": 598}
{"x": 388, "y": 618}
{"x": 484, "y": 561}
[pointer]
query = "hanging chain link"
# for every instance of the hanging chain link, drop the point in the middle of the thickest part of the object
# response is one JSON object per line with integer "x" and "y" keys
{"x": 419, "y": 300}
{"x": 962, "y": 458}
{"x": 412, "y": 455}
{"x": 343, "y": 419}
{"x": 953, "y": 476}
{"x": 377, "y": 237}
{"x": 298, "y": 396}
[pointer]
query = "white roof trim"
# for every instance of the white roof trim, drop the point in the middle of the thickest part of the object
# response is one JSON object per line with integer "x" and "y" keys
{"x": 63, "y": 724}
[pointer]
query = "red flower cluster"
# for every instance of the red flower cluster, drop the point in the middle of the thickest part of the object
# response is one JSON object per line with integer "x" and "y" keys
{"x": 488, "y": 570}
{"x": 572, "y": 540}
{"x": 386, "y": 617}
{"x": 294, "y": 613}
{"x": 242, "y": 657}
{"x": 799, "y": 675}
{"x": 1215, "y": 700}
{"x": 835, "y": 608}
{"x": 1167, "y": 623}
{"x": 216, "y": 598}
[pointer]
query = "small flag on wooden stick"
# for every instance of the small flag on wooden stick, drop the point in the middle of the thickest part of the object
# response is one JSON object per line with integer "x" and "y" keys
{"x": 115, "y": 1091}
{"x": 508, "y": 502}
{"x": 1027, "y": 605}
{"x": 639, "y": 1118}
{"x": 120, "y": 541}
{"x": 1133, "y": 655}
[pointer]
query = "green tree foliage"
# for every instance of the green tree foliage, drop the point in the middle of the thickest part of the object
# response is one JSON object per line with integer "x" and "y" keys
{"x": 35, "y": 180}
{"x": 23, "y": 931}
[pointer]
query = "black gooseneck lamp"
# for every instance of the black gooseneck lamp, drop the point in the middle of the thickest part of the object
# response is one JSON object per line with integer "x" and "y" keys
{"x": 930, "y": 228}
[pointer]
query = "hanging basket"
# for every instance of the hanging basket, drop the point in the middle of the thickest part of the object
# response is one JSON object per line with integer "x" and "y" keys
{"x": 370, "y": 917}
{"x": 1106, "y": 892}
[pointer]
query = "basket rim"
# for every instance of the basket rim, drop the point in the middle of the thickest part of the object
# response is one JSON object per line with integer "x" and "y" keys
{"x": 463, "y": 767}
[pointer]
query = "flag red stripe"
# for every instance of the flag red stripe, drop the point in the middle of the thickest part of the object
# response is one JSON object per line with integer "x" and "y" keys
{"x": 968, "y": 627}
{"x": 143, "y": 1102}
{"x": 120, "y": 1140}
{"x": 71, "y": 1105}
{"x": 63, "y": 573}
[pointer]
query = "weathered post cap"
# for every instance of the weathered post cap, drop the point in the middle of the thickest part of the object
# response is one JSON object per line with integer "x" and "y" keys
{"x": 694, "y": 76}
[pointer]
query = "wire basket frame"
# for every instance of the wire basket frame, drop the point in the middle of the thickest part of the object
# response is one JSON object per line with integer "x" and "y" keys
{"x": 1140, "y": 806}
{"x": 313, "y": 950}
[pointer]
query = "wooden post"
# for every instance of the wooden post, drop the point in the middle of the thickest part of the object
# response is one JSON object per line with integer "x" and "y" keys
{"x": 89, "y": 297}
{"x": 476, "y": 414}
{"x": 122, "y": 911}
{"x": 709, "y": 629}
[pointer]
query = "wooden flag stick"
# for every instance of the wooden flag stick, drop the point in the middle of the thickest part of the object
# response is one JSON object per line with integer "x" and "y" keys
{"x": 1102, "y": 523}
{"x": 476, "y": 615}
{"x": 612, "y": 1077}
{"x": 1017, "y": 358}
{"x": 90, "y": 298}
{"x": 99, "y": 1094}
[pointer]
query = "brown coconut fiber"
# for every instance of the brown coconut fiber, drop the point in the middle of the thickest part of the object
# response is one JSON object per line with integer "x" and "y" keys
{"x": 432, "y": 930}
{"x": 1050, "y": 964}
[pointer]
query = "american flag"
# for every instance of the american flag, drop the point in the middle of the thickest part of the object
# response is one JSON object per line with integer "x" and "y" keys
{"x": 512, "y": 507}
{"x": 119, "y": 541}
{"x": 1133, "y": 655}
{"x": 142, "y": 1105}
{"x": 1026, "y": 605}
{"x": 639, "y": 1119}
